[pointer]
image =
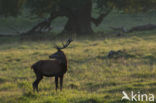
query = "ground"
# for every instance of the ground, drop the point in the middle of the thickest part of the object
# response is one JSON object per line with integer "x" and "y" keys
{"x": 92, "y": 77}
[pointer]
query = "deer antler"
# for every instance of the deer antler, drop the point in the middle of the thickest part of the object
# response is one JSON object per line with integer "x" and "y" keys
{"x": 65, "y": 45}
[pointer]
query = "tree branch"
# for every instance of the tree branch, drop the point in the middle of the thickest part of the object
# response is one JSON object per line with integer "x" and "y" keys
{"x": 13, "y": 28}
{"x": 136, "y": 28}
{"x": 99, "y": 20}
{"x": 45, "y": 25}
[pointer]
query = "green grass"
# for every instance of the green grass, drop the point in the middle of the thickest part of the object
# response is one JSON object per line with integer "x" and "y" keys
{"x": 91, "y": 76}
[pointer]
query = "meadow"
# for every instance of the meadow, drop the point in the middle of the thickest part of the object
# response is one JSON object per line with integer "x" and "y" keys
{"x": 92, "y": 77}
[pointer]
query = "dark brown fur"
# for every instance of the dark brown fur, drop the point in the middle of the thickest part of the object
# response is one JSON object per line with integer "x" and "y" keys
{"x": 56, "y": 67}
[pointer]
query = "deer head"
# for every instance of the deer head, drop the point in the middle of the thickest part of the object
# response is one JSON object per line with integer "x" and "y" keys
{"x": 59, "y": 55}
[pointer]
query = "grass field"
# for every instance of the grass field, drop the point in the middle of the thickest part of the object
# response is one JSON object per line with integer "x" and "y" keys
{"x": 91, "y": 76}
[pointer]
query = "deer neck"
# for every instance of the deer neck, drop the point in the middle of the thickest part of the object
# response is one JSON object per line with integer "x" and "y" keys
{"x": 64, "y": 64}
{"x": 63, "y": 61}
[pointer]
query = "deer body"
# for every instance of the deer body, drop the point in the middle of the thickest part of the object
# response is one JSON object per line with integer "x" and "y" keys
{"x": 56, "y": 67}
{"x": 50, "y": 68}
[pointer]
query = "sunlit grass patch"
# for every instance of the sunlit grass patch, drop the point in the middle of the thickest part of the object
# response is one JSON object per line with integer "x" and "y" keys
{"x": 92, "y": 77}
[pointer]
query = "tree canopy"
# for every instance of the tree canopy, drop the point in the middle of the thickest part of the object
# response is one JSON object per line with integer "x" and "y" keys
{"x": 78, "y": 12}
{"x": 11, "y": 7}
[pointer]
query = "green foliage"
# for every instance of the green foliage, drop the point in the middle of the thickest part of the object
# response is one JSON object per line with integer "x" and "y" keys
{"x": 128, "y": 5}
{"x": 41, "y": 7}
{"x": 10, "y": 7}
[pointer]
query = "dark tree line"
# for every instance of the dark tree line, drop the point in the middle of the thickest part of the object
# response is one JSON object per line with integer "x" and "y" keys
{"x": 78, "y": 12}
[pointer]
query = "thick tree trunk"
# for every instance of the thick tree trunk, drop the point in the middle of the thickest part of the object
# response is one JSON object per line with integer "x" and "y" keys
{"x": 79, "y": 22}
{"x": 78, "y": 25}
{"x": 79, "y": 19}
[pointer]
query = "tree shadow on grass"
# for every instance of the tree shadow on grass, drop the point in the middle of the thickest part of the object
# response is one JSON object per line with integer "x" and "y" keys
{"x": 150, "y": 58}
{"x": 3, "y": 80}
{"x": 116, "y": 55}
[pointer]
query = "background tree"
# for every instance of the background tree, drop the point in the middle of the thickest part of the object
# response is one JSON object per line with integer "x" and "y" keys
{"x": 10, "y": 7}
{"x": 78, "y": 12}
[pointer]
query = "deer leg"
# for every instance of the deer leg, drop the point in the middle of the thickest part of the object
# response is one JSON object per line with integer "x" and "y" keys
{"x": 39, "y": 79}
{"x": 36, "y": 82}
{"x": 56, "y": 82}
{"x": 61, "y": 82}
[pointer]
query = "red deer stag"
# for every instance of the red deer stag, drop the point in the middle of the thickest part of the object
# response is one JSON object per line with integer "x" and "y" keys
{"x": 55, "y": 67}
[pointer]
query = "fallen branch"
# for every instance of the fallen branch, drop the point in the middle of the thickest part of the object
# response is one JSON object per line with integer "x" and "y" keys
{"x": 121, "y": 29}
{"x": 136, "y": 28}
{"x": 143, "y": 27}
{"x": 98, "y": 21}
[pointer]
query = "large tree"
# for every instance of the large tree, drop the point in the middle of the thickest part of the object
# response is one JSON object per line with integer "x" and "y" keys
{"x": 78, "y": 12}
{"x": 10, "y": 7}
